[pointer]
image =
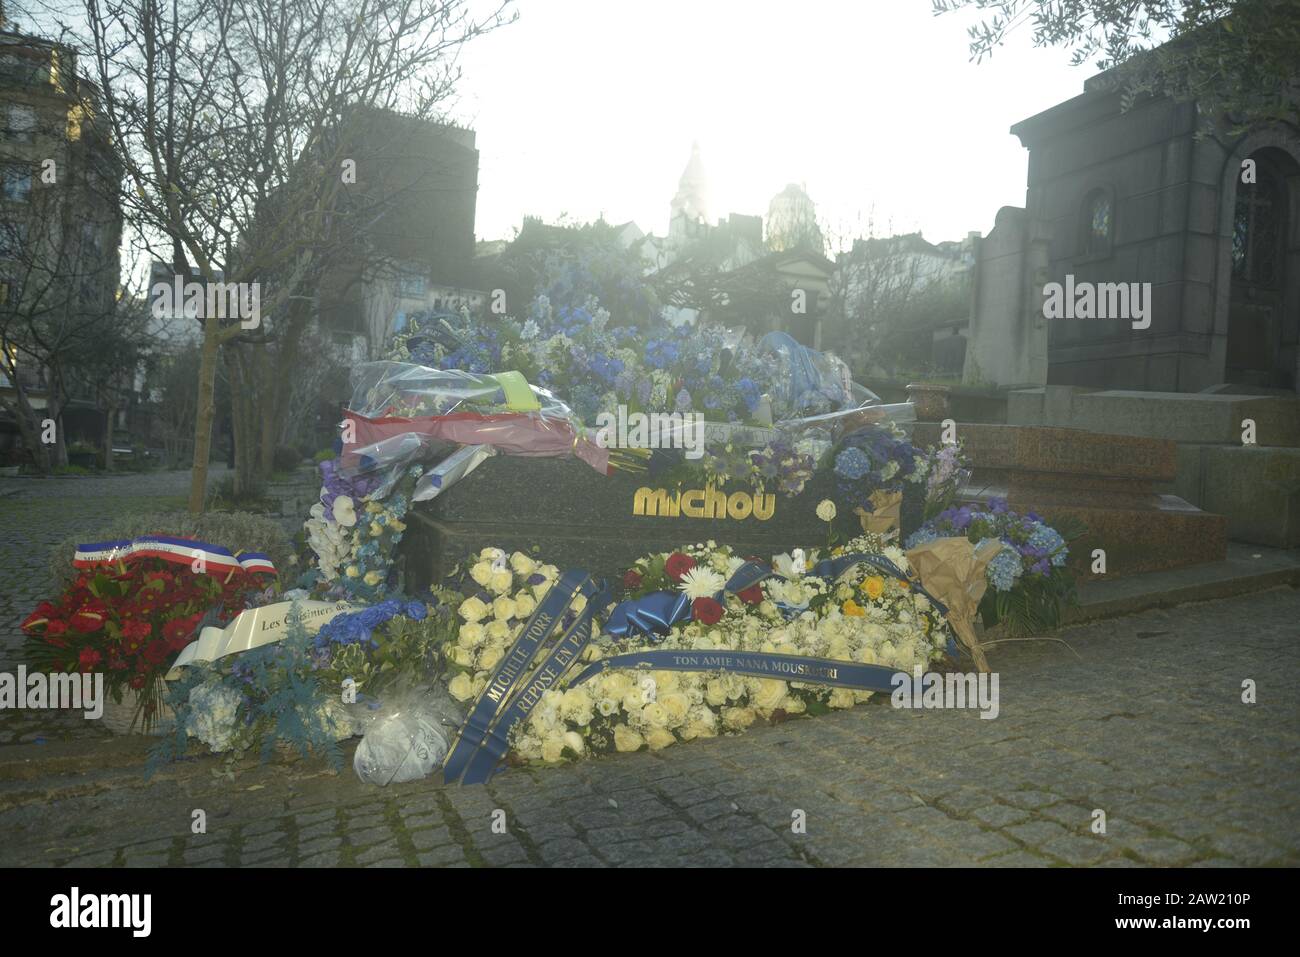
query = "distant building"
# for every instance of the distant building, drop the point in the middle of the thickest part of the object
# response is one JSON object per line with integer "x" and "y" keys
{"x": 60, "y": 222}
{"x": 419, "y": 253}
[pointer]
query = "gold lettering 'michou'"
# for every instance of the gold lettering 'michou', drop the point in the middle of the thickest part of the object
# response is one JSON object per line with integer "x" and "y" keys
{"x": 704, "y": 503}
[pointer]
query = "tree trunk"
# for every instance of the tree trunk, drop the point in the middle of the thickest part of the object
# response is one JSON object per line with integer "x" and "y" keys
{"x": 243, "y": 419}
{"x": 204, "y": 414}
{"x": 29, "y": 427}
{"x": 269, "y": 408}
{"x": 110, "y": 413}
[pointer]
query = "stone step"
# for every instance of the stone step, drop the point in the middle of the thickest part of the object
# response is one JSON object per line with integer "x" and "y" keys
{"x": 1180, "y": 416}
{"x": 1257, "y": 489}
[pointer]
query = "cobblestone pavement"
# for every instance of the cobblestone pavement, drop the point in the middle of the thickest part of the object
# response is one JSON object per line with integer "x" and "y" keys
{"x": 36, "y": 514}
{"x": 1140, "y": 717}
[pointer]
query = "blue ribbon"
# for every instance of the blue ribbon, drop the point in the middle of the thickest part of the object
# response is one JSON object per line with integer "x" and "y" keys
{"x": 545, "y": 619}
{"x": 652, "y": 614}
{"x": 758, "y": 664}
{"x": 567, "y": 650}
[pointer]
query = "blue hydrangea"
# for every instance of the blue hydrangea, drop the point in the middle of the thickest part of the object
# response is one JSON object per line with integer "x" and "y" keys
{"x": 852, "y": 464}
{"x": 1048, "y": 541}
{"x": 1004, "y": 570}
{"x": 921, "y": 536}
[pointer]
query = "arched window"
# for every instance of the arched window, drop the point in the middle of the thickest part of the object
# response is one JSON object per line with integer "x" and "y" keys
{"x": 1098, "y": 225}
{"x": 1256, "y": 229}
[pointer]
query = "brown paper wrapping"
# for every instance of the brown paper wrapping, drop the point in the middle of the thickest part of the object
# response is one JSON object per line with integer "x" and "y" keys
{"x": 884, "y": 518}
{"x": 952, "y": 570}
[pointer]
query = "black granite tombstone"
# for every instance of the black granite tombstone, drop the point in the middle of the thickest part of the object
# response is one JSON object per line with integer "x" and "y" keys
{"x": 578, "y": 518}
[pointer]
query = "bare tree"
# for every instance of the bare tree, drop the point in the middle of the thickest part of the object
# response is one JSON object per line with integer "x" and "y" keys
{"x": 236, "y": 121}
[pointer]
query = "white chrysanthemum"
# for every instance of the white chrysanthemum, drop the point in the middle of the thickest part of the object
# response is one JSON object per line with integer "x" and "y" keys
{"x": 701, "y": 582}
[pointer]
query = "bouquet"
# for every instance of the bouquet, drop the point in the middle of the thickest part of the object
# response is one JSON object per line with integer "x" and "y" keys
{"x": 877, "y": 459}
{"x": 307, "y": 692}
{"x": 1029, "y": 587}
{"x": 129, "y": 620}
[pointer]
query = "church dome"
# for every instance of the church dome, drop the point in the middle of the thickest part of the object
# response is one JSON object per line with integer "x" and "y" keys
{"x": 792, "y": 221}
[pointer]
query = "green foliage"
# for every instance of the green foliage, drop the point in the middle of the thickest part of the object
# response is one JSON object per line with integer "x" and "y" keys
{"x": 1236, "y": 58}
{"x": 324, "y": 455}
{"x": 1037, "y": 604}
{"x": 237, "y": 531}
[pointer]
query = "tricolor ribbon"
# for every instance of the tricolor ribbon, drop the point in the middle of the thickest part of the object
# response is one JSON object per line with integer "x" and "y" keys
{"x": 179, "y": 551}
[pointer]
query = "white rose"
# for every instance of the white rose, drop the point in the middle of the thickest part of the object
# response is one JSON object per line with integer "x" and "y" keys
{"x": 490, "y": 657}
{"x": 675, "y": 706}
{"x": 625, "y": 739}
{"x": 524, "y": 604}
{"x": 500, "y": 582}
{"x": 738, "y": 718}
{"x": 523, "y": 565}
{"x": 768, "y": 693}
{"x": 460, "y": 687}
{"x": 481, "y": 573}
{"x": 715, "y": 693}
{"x": 504, "y": 608}
{"x": 471, "y": 635}
{"x": 654, "y": 715}
{"x": 841, "y": 698}
{"x": 659, "y": 738}
{"x": 472, "y": 609}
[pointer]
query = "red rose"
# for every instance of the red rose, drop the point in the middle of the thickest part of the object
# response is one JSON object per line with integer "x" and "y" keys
{"x": 137, "y": 682}
{"x": 156, "y": 652}
{"x": 117, "y": 663}
{"x": 89, "y": 659}
{"x": 632, "y": 579}
{"x": 751, "y": 595}
{"x": 706, "y": 611}
{"x": 678, "y": 565}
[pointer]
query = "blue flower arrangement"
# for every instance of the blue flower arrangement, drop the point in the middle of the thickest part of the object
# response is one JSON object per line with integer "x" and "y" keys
{"x": 1029, "y": 587}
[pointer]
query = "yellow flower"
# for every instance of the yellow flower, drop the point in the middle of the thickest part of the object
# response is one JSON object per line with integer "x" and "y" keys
{"x": 376, "y": 530}
{"x": 874, "y": 587}
{"x": 373, "y": 578}
{"x": 853, "y": 609}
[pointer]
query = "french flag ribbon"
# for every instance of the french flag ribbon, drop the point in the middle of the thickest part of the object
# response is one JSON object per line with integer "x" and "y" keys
{"x": 181, "y": 551}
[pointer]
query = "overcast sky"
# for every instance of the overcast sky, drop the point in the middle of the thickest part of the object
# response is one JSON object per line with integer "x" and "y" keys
{"x": 590, "y": 106}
